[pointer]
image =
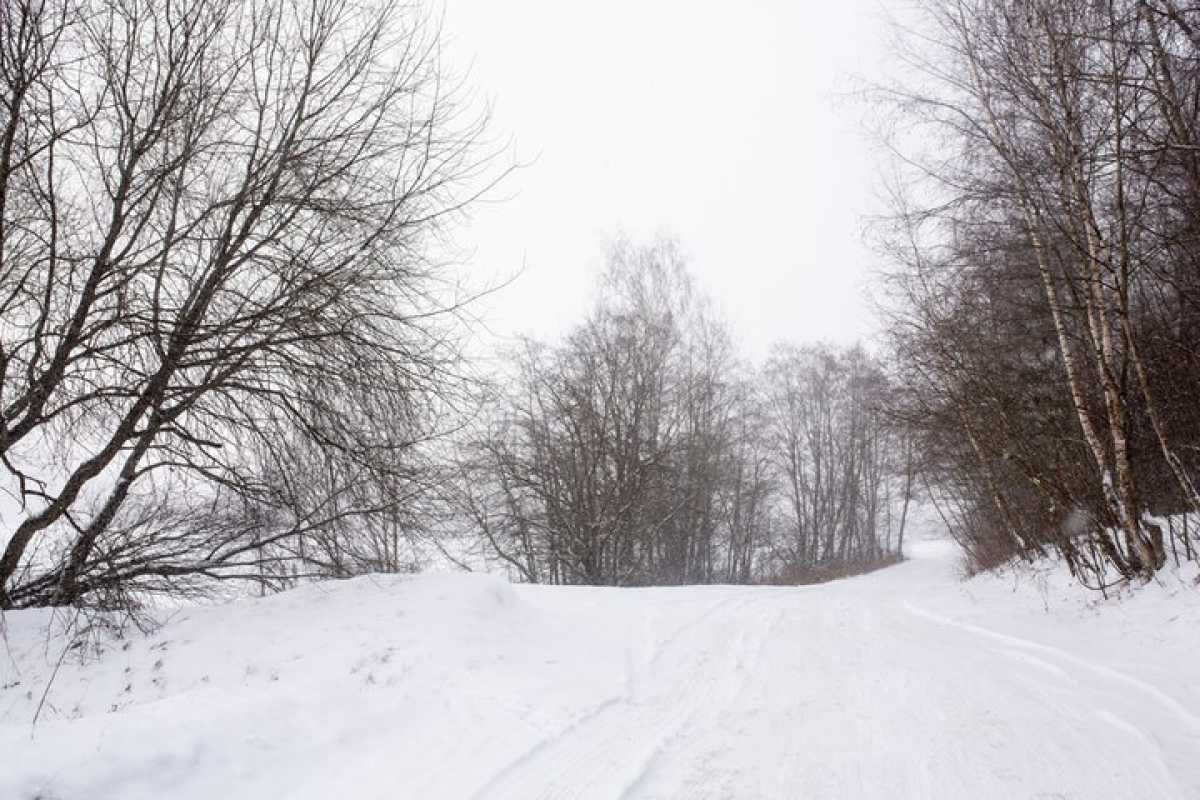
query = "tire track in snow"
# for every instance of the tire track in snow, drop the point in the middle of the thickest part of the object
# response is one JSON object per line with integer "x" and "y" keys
{"x": 600, "y": 756}
{"x": 1165, "y": 700}
{"x": 533, "y": 752}
{"x": 1144, "y": 739}
{"x": 687, "y": 764}
{"x": 713, "y": 708}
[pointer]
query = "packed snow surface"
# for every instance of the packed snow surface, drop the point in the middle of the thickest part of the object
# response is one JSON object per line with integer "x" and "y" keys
{"x": 906, "y": 683}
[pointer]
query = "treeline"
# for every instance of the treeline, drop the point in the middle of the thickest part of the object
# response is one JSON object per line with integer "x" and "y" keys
{"x": 1046, "y": 292}
{"x": 643, "y": 450}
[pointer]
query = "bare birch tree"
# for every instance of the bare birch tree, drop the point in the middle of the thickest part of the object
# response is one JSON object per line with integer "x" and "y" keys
{"x": 1062, "y": 157}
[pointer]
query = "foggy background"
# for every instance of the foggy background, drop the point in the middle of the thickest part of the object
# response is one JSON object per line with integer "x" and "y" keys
{"x": 724, "y": 125}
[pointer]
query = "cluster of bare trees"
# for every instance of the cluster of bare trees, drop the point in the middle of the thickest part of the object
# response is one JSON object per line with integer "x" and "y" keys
{"x": 1047, "y": 314}
{"x": 843, "y": 468}
{"x": 221, "y": 339}
{"x": 643, "y": 450}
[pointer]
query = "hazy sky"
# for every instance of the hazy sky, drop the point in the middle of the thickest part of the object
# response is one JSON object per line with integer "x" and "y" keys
{"x": 718, "y": 123}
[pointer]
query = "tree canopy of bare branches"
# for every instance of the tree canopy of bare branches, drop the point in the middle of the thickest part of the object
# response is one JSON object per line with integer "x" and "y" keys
{"x": 1045, "y": 279}
{"x": 643, "y": 450}
{"x": 220, "y": 330}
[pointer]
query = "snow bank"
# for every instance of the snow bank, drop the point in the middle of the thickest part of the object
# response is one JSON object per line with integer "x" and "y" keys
{"x": 301, "y": 694}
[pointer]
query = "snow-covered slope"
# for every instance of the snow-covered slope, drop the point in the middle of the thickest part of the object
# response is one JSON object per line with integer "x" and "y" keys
{"x": 901, "y": 684}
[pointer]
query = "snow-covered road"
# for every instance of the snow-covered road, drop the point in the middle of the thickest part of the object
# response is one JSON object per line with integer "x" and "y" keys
{"x": 856, "y": 689}
{"x": 899, "y": 684}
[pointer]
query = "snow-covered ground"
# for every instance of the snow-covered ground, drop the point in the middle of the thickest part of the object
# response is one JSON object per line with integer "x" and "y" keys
{"x": 906, "y": 683}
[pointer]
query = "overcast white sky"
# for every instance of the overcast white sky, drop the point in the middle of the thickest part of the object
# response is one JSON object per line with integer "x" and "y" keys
{"x": 718, "y": 123}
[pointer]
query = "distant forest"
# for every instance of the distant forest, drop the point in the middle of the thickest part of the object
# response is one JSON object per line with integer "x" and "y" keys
{"x": 643, "y": 450}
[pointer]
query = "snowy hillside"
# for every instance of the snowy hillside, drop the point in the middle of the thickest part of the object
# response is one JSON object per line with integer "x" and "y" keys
{"x": 901, "y": 684}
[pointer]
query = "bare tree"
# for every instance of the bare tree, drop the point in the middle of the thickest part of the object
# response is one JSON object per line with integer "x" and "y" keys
{"x": 213, "y": 225}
